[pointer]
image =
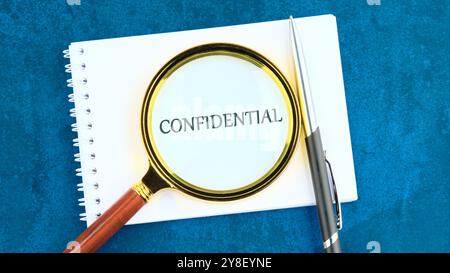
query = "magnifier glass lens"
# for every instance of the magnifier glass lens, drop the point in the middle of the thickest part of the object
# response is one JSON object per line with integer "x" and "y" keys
{"x": 219, "y": 122}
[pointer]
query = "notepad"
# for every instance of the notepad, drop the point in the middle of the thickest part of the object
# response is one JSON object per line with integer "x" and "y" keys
{"x": 109, "y": 81}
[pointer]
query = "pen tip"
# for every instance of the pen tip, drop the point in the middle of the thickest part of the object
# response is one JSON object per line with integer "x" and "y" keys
{"x": 291, "y": 21}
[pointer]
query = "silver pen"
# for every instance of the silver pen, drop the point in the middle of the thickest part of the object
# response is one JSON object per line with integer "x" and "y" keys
{"x": 321, "y": 172}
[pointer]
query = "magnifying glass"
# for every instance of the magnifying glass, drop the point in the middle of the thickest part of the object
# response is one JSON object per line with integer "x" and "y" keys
{"x": 219, "y": 122}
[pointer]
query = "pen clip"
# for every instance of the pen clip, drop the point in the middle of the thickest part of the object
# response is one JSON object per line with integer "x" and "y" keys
{"x": 335, "y": 194}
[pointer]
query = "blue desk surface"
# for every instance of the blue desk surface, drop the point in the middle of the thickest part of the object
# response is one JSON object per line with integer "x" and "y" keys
{"x": 396, "y": 70}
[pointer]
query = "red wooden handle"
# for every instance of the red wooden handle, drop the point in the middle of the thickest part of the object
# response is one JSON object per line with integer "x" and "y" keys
{"x": 108, "y": 224}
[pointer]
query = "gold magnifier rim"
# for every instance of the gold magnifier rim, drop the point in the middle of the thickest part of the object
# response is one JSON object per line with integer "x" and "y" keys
{"x": 205, "y": 50}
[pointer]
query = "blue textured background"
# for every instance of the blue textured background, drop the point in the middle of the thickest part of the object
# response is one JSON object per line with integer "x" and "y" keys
{"x": 396, "y": 70}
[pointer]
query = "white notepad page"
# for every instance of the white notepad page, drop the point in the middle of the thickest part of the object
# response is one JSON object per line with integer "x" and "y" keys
{"x": 117, "y": 73}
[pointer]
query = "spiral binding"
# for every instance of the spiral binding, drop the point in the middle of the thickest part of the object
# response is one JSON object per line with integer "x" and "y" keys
{"x": 72, "y": 112}
{"x": 66, "y": 53}
{"x": 75, "y": 127}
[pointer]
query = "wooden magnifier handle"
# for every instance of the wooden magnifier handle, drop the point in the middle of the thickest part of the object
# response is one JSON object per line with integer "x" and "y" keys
{"x": 112, "y": 220}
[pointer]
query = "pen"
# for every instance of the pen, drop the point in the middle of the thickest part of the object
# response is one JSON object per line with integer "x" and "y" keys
{"x": 329, "y": 223}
